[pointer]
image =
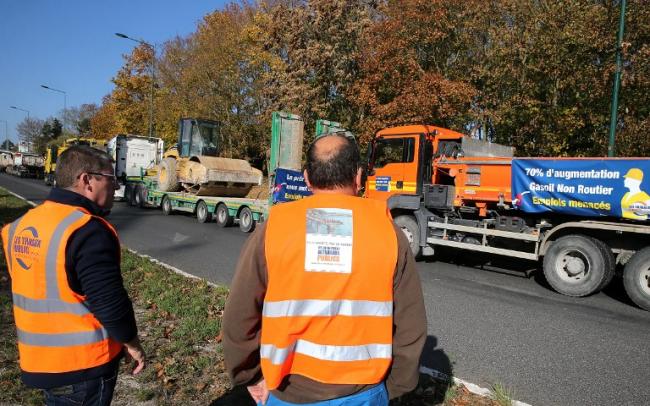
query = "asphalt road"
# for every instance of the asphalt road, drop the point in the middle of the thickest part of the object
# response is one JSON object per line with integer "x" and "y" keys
{"x": 486, "y": 326}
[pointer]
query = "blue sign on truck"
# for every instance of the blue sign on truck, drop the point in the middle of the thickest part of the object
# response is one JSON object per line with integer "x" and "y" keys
{"x": 289, "y": 185}
{"x": 589, "y": 187}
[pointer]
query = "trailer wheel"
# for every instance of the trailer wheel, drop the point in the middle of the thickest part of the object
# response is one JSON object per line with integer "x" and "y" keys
{"x": 246, "y": 222}
{"x": 224, "y": 219}
{"x": 412, "y": 232}
{"x": 610, "y": 267}
{"x": 139, "y": 196}
{"x": 636, "y": 278}
{"x": 166, "y": 206}
{"x": 202, "y": 212}
{"x": 129, "y": 194}
{"x": 575, "y": 265}
{"x": 167, "y": 177}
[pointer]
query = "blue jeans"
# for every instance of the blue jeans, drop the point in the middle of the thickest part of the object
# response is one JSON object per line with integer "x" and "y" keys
{"x": 95, "y": 392}
{"x": 375, "y": 396}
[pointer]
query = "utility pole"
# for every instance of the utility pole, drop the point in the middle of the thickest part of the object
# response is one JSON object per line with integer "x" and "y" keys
{"x": 617, "y": 83}
{"x": 6, "y": 133}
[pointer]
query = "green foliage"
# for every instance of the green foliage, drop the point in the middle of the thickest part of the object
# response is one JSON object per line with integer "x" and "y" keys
{"x": 502, "y": 395}
{"x": 533, "y": 74}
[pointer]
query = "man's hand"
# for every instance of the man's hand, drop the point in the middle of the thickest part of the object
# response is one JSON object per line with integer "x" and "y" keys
{"x": 134, "y": 351}
{"x": 259, "y": 392}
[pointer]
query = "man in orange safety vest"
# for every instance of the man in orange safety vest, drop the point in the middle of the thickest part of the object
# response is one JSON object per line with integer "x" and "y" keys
{"x": 326, "y": 304}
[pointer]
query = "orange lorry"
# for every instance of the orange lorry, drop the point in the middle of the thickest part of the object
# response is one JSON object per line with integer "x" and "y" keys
{"x": 580, "y": 217}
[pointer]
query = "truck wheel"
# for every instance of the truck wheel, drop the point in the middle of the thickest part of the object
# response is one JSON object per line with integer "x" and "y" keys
{"x": 575, "y": 265}
{"x": 166, "y": 206}
{"x": 610, "y": 267}
{"x": 636, "y": 278}
{"x": 412, "y": 232}
{"x": 167, "y": 177}
{"x": 202, "y": 212}
{"x": 224, "y": 219}
{"x": 246, "y": 222}
{"x": 129, "y": 194}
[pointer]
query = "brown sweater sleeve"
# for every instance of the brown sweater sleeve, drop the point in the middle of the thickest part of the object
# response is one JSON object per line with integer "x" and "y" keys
{"x": 242, "y": 316}
{"x": 409, "y": 322}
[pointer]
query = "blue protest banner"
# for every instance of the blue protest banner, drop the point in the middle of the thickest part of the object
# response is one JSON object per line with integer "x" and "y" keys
{"x": 289, "y": 185}
{"x": 589, "y": 187}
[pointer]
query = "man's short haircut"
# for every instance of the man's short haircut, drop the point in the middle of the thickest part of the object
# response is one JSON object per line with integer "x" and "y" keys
{"x": 79, "y": 159}
{"x": 334, "y": 168}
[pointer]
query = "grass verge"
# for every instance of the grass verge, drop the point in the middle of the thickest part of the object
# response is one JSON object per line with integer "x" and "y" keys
{"x": 179, "y": 321}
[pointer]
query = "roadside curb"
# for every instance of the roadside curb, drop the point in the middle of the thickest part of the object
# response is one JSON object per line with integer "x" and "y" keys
{"x": 472, "y": 387}
{"x": 20, "y": 197}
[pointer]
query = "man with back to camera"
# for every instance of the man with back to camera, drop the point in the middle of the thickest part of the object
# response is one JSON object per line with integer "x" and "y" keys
{"x": 73, "y": 316}
{"x": 326, "y": 306}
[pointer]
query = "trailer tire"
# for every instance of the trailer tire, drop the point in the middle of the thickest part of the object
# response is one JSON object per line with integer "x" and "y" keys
{"x": 575, "y": 265}
{"x": 139, "y": 196}
{"x": 129, "y": 194}
{"x": 410, "y": 228}
{"x": 636, "y": 278}
{"x": 223, "y": 217}
{"x": 166, "y": 206}
{"x": 610, "y": 268}
{"x": 167, "y": 176}
{"x": 203, "y": 214}
{"x": 246, "y": 221}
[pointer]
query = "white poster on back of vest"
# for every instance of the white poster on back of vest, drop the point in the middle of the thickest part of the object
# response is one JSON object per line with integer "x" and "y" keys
{"x": 328, "y": 243}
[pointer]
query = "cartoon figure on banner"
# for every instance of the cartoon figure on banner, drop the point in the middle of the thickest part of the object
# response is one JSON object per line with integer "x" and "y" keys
{"x": 635, "y": 204}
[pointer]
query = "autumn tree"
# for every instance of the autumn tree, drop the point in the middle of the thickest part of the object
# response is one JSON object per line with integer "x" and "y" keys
{"x": 407, "y": 67}
{"x": 316, "y": 44}
{"x": 131, "y": 96}
{"x": 543, "y": 72}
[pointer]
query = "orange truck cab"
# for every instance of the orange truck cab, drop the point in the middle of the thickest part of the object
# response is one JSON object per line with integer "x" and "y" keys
{"x": 441, "y": 166}
{"x": 422, "y": 169}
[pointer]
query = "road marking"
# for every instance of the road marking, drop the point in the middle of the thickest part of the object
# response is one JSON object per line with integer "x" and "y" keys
{"x": 178, "y": 237}
{"x": 472, "y": 387}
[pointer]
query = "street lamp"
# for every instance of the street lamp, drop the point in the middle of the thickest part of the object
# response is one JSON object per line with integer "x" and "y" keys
{"x": 18, "y": 108}
{"x": 65, "y": 101}
{"x": 153, "y": 77}
{"x": 6, "y": 133}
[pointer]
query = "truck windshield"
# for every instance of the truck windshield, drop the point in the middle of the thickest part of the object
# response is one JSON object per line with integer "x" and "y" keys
{"x": 392, "y": 150}
{"x": 205, "y": 139}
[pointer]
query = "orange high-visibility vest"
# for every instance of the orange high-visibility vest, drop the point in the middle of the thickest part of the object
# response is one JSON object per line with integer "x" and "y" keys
{"x": 328, "y": 308}
{"x": 56, "y": 331}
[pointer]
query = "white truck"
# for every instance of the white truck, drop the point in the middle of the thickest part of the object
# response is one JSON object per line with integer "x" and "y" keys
{"x": 26, "y": 165}
{"x": 133, "y": 155}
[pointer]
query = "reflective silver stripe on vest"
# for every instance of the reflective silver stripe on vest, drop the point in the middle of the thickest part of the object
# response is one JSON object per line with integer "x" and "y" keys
{"x": 49, "y": 305}
{"x": 278, "y": 356}
{"x": 62, "y": 339}
{"x": 314, "y": 308}
{"x": 10, "y": 237}
{"x": 52, "y": 253}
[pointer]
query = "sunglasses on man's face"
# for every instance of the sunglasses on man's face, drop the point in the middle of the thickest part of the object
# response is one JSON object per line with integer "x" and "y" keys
{"x": 106, "y": 175}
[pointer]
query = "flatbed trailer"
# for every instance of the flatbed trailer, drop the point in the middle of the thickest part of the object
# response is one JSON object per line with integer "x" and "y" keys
{"x": 285, "y": 183}
{"x": 225, "y": 211}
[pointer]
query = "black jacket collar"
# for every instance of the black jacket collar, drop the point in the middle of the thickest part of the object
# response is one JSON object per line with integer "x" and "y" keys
{"x": 71, "y": 198}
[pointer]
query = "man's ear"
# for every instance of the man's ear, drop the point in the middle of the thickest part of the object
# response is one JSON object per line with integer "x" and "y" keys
{"x": 357, "y": 179}
{"x": 304, "y": 173}
{"x": 83, "y": 181}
